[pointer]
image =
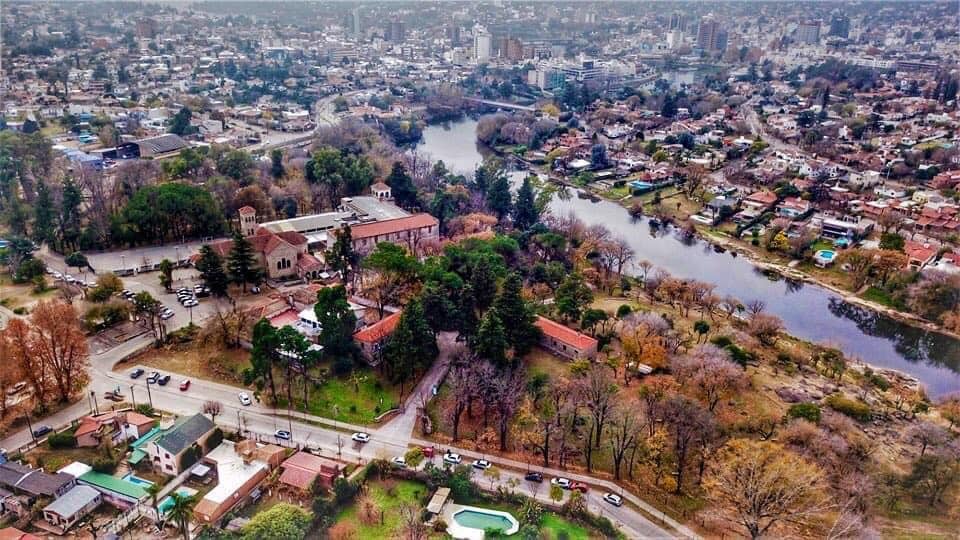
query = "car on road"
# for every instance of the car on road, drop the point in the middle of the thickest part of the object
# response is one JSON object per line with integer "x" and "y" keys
{"x": 42, "y": 430}
{"x": 244, "y": 398}
{"x": 399, "y": 461}
{"x": 481, "y": 464}
{"x": 452, "y": 458}
{"x": 166, "y": 313}
{"x": 360, "y": 437}
{"x": 163, "y": 380}
{"x": 282, "y": 434}
{"x": 113, "y": 395}
{"x": 154, "y": 377}
{"x": 561, "y": 481}
{"x": 613, "y": 499}
{"x": 533, "y": 477}
{"x": 17, "y": 388}
{"x": 191, "y": 303}
{"x": 579, "y": 486}
{"x": 184, "y": 385}
{"x": 135, "y": 374}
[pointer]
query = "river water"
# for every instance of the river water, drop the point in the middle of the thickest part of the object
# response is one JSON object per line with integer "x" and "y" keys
{"x": 808, "y": 311}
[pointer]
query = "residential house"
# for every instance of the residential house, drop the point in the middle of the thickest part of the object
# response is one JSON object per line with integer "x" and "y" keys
{"x": 373, "y": 338}
{"x": 793, "y": 208}
{"x": 72, "y": 506}
{"x": 32, "y": 483}
{"x": 13, "y": 533}
{"x": 116, "y": 491}
{"x": 117, "y": 426}
{"x": 919, "y": 255}
{"x": 176, "y": 448}
{"x": 304, "y": 472}
{"x": 760, "y": 201}
{"x": 410, "y": 231}
{"x": 845, "y": 226}
{"x": 240, "y": 468}
{"x": 565, "y": 341}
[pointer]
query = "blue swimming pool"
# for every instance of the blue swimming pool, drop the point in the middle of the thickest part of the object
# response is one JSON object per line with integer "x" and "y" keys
{"x": 134, "y": 479}
{"x": 639, "y": 185}
{"x": 167, "y": 502}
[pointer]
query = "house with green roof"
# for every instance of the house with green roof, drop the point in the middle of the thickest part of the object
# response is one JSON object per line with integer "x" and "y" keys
{"x": 116, "y": 491}
{"x": 178, "y": 447}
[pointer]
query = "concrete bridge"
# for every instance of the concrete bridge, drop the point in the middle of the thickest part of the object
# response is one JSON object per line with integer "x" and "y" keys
{"x": 501, "y": 104}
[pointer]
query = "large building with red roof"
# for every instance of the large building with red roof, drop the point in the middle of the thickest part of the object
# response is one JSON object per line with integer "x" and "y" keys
{"x": 566, "y": 341}
{"x": 372, "y": 338}
{"x": 410, "y": 231}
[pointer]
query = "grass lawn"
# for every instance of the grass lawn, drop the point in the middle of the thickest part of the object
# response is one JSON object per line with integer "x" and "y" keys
{"x": 53, "y": 460}
{"x": 880, "y": 296}
{"x": 554, "y": 525}
{"x": 389, "y": 495}
{"x": 339, "y": 398}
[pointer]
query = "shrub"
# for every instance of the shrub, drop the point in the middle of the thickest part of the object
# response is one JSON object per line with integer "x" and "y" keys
{"x": 145, "y": 409}
{"x": 623, "y": 311}
{"x": 807, "y": 411}
{"x": 414, "y": 456}
{"x": 20, "y": 311}
{"x": 62, "y": 440}
{"x": 104, "y": 465}
{"x": 853, "y": 408}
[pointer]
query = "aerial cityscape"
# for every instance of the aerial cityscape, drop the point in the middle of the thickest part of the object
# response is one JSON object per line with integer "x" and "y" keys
{"x": 457, "y": 269}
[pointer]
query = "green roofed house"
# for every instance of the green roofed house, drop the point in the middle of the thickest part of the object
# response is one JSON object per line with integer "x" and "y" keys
{"x": 116, "y": 491}
{"x": 178, "y": 447}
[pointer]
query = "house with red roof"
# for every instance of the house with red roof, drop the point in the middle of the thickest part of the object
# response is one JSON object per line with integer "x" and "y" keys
{"x": 118, "y": 426}
{"x": 919, "y": 255}
{"x": 565, "y": 341}
{"x": 280, "y": 254}
{"x": 410, "y": 231}
{"x": 372, "y": 339}
{"x": 303, "y": 472}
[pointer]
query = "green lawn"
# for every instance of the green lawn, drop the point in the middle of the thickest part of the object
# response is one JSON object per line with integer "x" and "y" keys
{"x": 340, "y": 399}
{"x": 404, "y": 491}
{"x": 880, "y": 296}
{"x": 553, "y": 526}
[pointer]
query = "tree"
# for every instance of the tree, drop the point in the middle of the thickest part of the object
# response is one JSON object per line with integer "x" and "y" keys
{"x": 597, "y": 391}
{"x": 498, "y": 196}
{"x": 401, "y": 186}
{"x": 517, "y": 317}
{"x": 264, "y": 341}
{"x": 213, "y": 408}
{"x": 210, "y": 266}
{"x": 508, "y": 388}
{"x": 70, "y": 223}
{"x": 282, "y": 521}
{"x": 180, "y": 123}
{"x": 77, "y": 260}
{"x": 412, "y": 347}
{"x": 150, "y": 308}
{"x": 154, "y": 490}
{"x": 711, "y": 374}
{"x": 932, "y": 475}
{"x": 894, "y": 241}
{"x": 341, "y": 256}
{"x": 337, "y": 322}
{"x": 525, "y": 211}
{"x": 593, "y": 319}
{"x": 172, "y": 211}
{"x": 181, "y": 512}
{"x": 397, "y": 275}
{"x": 166, "y": 274}
{"x": 859, "y": 261}
{"x": 490, "y": 341}
{"x": 685, "y": 421}
{"x": 276, "y": 163}
{"x": 765, "y": 327}
{"x": 572, "y": 297}
{"x": 625, "y": 433}
{"x": 928, "y": 435}
{"x": 59, "y": 344}
{"x": 242, "y": 262}
{"x": 44, "y": 216}
{"x": 759, "y": 484}
{"x": 669, "y": 107}
{"x": 483, "y": 283}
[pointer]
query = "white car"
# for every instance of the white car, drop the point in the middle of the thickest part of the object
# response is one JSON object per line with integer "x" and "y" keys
{"x": 399, "y": 461}
{"x": 481, "y": 464}
{"x": 191, "y": 303}
{"x": 245, "y": 398}
{"x": 166, "y": 314}
{"x": 361, "y": 437}
{"x": 561, "y": 481}
{"x": 613, "y": 499}
{"x": 452, "y": 459}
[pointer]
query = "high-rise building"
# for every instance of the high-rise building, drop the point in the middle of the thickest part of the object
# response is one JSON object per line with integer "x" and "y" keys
{"x": 710, "y": 35}
{"x": 674, "y": 39}
{"x": 809, "y": 32}
{"x": 510, "y": 48}
{"x": 146, "y": 28}
{"x": 453, "y": 33}
{"x": 678, "y": 21}
{"x": 482, "y": 43}
{"x": 396, "y": 31}
{"x": 839, "y": 25}
{"x": 352, "y": 22}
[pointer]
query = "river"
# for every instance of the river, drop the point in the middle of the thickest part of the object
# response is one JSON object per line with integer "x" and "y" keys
{"x": 808, "y": 311}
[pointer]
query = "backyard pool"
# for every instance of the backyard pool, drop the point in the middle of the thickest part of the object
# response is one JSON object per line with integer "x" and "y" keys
{"x": 167, "y": 502}
{"x": 134, "y": 479}
{"x": 470, "y": 522}
{"x": 824, "y": 257}
{"x": 641, "y": 186}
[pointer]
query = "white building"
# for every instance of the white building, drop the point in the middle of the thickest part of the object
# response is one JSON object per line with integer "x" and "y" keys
{"x": 482, "y": 43}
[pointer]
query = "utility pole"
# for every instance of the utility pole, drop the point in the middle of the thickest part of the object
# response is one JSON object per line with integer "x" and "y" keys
{"x": 30, "y": 426}
{"x": 96, "y": 407}
{"x": 133, "y": 397}
{"x": 149, "y": 396}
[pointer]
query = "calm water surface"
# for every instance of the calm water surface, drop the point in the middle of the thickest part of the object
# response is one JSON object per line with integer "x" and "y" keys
{"x": 808, "y": 311}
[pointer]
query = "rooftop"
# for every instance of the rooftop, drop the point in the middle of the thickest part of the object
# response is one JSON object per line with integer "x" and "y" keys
{"x": 114, "y": 484}
{"x": 371, "y": 230}
{"x": 564, "y": 334}
{"x": 185, "y": 432}
{"x": 73, "y": 501}
{"x": 379, "y": 330}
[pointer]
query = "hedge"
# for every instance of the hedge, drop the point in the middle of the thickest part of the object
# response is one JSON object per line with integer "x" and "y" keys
{"x": 62, "y": 440}
{"x": 855, "y": 409}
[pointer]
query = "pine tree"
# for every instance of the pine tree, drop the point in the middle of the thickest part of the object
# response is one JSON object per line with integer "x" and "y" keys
{"x": 341, "y": 256}
{"x": 70, "y": 215}
{"x": 483, "y": 284}
{"x": 413, "y": 346}
{"x": 518, "y": 319}
{"x": 242, "y": 263}
{"x": 498, "y": 196}
{"x": 337, "y": 321}
{"x": 572, "y": 296}
{"x": 401, "y": 186}
{"x": 43, "y": 216}
{"x": 525, "y": 211}
{"x": 491, "y": 341}
{"x": 210, "y": 266}
{"x": 264, "y": 342}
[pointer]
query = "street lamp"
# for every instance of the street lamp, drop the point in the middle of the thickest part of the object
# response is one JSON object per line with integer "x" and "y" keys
{"x": 96, "y": 407}
{"x": 133, "y": 397}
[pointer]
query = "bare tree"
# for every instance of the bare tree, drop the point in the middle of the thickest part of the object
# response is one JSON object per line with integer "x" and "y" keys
{"x": 508, "y": 388}
{"x": 213, "y": 408}
{"x": 755, "y": 307}
{"x": 685, "y": 420}
{"x": 597, "y": 391}
{"x": 625, "y": 429}
{"x": 928, "y": 435}
{"x": 711, "y": 373}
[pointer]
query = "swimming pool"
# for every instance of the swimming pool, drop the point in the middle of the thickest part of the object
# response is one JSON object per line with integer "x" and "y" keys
{"x": 134, "y": 479}
{"x": 167, "y": 502}
{"x": 824, "y": 257}
{"x": 638, "y": 185}
{"x": 471, "y": 522}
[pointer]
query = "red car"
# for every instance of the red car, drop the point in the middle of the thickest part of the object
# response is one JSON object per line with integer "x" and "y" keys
{"x": 184, "y": 385}
{"x": 579, "y": 486}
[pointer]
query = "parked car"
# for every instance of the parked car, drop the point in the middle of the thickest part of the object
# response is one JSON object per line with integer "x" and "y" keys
{"x": 154, "y": 377}
{"x": 561, "y": 481}
{"x": 360, "y": 437}
{"x": 452, "y": 458}
{"x": 244, "y": 398}
{"x": 191, "y": 303}
{"x": 182, "y": 290}
{"x": 135, "y": 374}
{"x": 113, "y": 395}
{"x": 163, "y": 380}
{"x": 282, "y": 434}
{"x": 17, "y": 388}
{"x": 184, "y": 385}
{"x": 255, "y": 289}
{"x": 399, "y": 461}
{"x": 42, "y": 430}
{"x": 481, "y": 464}
{"x": 166, "y": 314}
{"x": 533, "y": 477}
{"x": 613, "y": 499}
{"x": 579, "y": 486}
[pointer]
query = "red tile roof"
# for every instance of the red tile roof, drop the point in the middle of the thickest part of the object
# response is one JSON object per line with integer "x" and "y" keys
{"x": 565, "y": 334}
{"x": 378, "y": 228}
{"x": 378, "y": 330}
{"x": 247, "y": 210}
{"x": 919, "y": 252}
{"x": 298, "y": 478}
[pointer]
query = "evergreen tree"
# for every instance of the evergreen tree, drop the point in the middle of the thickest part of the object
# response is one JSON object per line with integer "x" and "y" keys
{"x": 498, "y": 196}
{"x": 242, "y": 263}
{"x": 180, "y": 123}
{"x": 276, "y": 163}
{"x": 166, "y": 274}
{"x": 337, "y": 321}
{"x": 439, "y": 306}
{"x": 518, "y": 319}
{"x": 210, "y": 266}
{"x": 525, "y": 211}
{"x": 341, "y": 256}
{"x": 401, "y": 186}
{"x": 483, "y": 284}
{"x": 70, "y": 215}
{"x": 669, "y": 107}
{"x": 413, "y": 346}
{"x": 43, "y": 216}
{"x": 491, "y": 340}
{"x": 264, "y": 341}
{"x": 572, "y": 297}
